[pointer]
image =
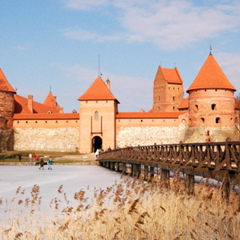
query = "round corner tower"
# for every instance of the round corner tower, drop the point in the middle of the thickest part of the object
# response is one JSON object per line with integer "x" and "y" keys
{"x": 6, "y": 113}
{"x": 211, "y": 98}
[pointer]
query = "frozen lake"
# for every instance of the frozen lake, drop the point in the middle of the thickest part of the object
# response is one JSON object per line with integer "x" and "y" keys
{"x": 73, "y": 178}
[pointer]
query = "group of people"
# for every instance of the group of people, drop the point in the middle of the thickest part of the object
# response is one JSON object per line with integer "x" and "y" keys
{"x": 33, "y": 157}
{"x": 42, "y": 163}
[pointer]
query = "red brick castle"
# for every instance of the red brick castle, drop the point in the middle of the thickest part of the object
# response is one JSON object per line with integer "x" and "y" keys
{"x": 209, "y": 113}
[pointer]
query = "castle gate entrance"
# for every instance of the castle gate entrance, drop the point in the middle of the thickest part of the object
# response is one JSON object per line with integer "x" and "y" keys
{"x": 96, "y": 143}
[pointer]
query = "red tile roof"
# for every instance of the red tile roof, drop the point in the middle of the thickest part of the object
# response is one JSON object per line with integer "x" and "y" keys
{"x": 98, "y": 91}
{"x": 4, "y": 84}
{"x": 171, "y": 75}
{"x": 149, "y": 115}
{"x": 50, "y": 100}
{"x": 184, "y": 104}
{"x": 211, "y": 76}
{"x": 46, "y": 116}
{"x": 21, "y": 106}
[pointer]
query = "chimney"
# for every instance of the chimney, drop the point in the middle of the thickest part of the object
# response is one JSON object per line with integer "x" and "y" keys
{"x": 108, "y": 83}
{"x": 30, "y": 103}
{"x": 60, "y": 109}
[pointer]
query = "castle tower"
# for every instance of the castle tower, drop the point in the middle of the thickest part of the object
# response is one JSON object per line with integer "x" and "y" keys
{"x": 211, "y": 98}
{"x": 6, "y": 112}
{"x": 167, "y": 90}
{"x": 98, "y": 108}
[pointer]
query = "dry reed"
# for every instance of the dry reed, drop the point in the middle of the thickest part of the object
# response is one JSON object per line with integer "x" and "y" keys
{"x": 133, "y": 209}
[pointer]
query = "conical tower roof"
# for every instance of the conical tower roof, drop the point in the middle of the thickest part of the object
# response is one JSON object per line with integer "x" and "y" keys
{"x": 211, "y": 76}
{"x": 4, "y": 84}
{"x": 98, "y": 91}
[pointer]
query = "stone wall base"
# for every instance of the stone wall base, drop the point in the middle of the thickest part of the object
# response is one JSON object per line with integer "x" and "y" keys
{"x": 43, "y": 139}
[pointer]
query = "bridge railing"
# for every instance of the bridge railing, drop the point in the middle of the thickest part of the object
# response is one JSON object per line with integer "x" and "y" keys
{"x": 217, "y": 157}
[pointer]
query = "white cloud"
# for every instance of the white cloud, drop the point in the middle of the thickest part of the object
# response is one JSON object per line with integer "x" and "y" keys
{"x": 169, "y": 24}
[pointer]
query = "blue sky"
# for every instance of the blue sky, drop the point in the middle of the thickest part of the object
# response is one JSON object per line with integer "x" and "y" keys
{"x": 57, "y": 43}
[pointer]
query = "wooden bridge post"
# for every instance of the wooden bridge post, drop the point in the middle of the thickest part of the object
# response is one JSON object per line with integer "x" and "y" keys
{"x": 190, "y": 184}
{"x": 107, "y": 165}
{"x": 111, "y": 167}
{"x": 136, "y": 170}
{"x": 124, "y": 168}
{"x": 151, "y": 173}
{"x": 117, "y": 167}
{"x": 145, "y": 174}
{"x": 165, "y": 178}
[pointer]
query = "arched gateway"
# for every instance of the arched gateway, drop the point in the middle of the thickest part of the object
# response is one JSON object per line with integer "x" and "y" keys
{"x": 96, "y": 143}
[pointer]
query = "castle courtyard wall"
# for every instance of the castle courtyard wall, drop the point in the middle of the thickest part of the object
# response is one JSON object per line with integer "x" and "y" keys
{"x": 136, "y": 132}
{"x": 46, "y": 139}
{"x": 47, "y": 134}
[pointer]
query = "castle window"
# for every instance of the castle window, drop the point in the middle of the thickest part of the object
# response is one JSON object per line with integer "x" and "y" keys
{"x": 203, "y": 120}
{"x": 45, "y": 121}
{"x": 173, "y": 108}
{"x": 96, "y": 115}
{"x": 67, "y": 121}
{"x": 196, "y": 107}
{"x": 173, "y": 98}
{"x": 49, "y": 112}
{"x": 86, "y": 101}
{"x": 26, "y": 121}
{"x": 96, "y": 101}
{"x": 236, "y": 120}
{"x": 76, "y": 121}
{"x": 17, "y": 121}
{"x": 35, "y": 121}
{"x": 56, "y": 121}
{"x": 152, "y": 120}
{"x": 213, "y": 106}
{"x": 141, "y": 120}
{"x": 218, "y": 120}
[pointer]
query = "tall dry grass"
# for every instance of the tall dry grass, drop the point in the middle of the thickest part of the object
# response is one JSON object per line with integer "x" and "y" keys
{"x": 134, "y": 210}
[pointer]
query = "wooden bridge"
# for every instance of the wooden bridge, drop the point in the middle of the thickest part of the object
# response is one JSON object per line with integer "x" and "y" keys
{"x": 219, "y": 160}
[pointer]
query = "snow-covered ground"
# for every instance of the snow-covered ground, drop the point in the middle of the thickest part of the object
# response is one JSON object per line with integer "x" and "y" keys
{"x": 17, "y": 182}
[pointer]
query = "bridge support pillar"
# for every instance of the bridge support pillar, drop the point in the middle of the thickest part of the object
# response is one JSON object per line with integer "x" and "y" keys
{"x": 165, "y": 178}
{"x": 111, "y": 166}
{"x": 145, "y": 174}
{"x": 136, "y": 168}
{"x": 117, "y": 167}
{"x": 107, "y": 165}
{"x": 124, "y": 168}
{"x": 190, "y": 184}
{"x": 151, "y": 173}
